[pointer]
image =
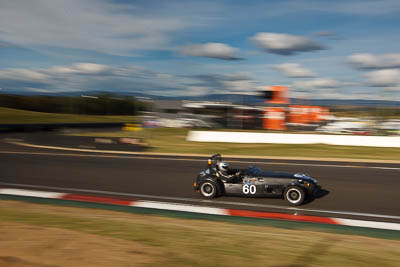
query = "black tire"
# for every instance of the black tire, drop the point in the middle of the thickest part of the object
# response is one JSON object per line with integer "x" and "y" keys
{"x": 294, "y": 195}
{"x": 208, "y": 189}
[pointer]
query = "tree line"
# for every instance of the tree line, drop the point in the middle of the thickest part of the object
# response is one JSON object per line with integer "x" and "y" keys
{"x": 101, "y": 104}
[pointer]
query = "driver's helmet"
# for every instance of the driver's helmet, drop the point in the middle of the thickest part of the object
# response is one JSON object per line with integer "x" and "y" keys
{"x": 223, "y": 166}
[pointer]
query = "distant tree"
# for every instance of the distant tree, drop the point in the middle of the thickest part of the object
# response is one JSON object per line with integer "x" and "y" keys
{"x": 102, "y": 104}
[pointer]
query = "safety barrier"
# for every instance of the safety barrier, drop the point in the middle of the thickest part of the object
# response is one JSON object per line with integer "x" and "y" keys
{"x": 282, "y": 138}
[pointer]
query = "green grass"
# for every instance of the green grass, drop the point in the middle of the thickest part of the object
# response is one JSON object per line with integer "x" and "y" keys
{"x": 170, "y": 140}
{"x": 209, "y": 243}
{"x": 16, "y": 116}
{"x": 377, "y": 113}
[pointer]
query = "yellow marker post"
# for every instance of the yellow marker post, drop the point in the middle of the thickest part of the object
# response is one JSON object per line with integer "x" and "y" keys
{"x": 133, "y": 127}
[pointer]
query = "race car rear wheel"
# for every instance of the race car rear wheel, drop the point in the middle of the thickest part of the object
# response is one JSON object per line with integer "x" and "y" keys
{"x": 208, "y": 189}
{"x": 295, "y": 195}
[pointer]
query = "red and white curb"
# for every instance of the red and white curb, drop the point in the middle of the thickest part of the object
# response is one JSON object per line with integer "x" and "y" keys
{"x": 200, "y": 209}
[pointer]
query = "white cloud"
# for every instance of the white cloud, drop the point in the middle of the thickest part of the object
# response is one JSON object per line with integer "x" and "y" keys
{"x": 237, "y": 76}
{"x": 318, "y": 83}
{"x": 370, "y": 61}
{"x": 101, "y": 70}
{"x": 98, "y": 25}
{"x": 294, "y": 70}
{"x": 4, "y": 45}
{"x": 284, "y": 44}
{"x": 196, "y": 90}
{"x": 238, "y": 82}
{"x": 81, "y": 68}
{"x": 384, "y": 78}
{"x": 164, "y": 76}
{"x": 212, "y": 50}
{"x": 39, "y": 90}
{"x": 239, "y": 86}
{"x": 87, "y": 76}
{"x": 23, "y": 75}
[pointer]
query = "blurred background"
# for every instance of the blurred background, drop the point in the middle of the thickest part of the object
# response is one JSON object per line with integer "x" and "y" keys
{"x": 271, "y": 110}
{"x": 280, "y": 66}
{"x": 120, "y": 102}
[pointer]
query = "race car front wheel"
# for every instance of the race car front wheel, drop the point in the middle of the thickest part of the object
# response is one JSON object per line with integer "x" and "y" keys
{"x": 295, "y": 195}
{"x": 208, "y": 189}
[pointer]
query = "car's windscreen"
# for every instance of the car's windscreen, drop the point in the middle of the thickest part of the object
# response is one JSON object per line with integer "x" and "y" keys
{"x": 254, "y": 171}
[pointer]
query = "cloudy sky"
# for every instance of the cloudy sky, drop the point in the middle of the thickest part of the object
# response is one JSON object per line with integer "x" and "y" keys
{"x": 320, "y": 49}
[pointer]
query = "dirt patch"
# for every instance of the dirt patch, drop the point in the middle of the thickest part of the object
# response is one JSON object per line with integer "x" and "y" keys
{"x": 26, "y": 245}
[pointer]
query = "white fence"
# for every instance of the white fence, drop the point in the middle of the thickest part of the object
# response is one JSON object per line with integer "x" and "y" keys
{"x": 278, "y": 138}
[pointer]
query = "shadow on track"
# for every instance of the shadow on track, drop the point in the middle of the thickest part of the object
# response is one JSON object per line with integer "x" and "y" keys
{"x": 320, "y": 194}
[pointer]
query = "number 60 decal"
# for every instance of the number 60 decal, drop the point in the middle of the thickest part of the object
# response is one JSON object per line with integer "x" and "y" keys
{"x": 249, "y": 189}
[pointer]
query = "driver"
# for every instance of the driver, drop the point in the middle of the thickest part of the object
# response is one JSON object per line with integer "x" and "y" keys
{"x": 227, "y": 175}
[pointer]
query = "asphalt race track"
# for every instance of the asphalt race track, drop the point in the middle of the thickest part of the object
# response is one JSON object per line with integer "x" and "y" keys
{"x": 353, "y": 190}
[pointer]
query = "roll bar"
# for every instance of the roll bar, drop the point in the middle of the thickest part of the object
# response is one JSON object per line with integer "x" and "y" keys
{"x": 213, "y": 161}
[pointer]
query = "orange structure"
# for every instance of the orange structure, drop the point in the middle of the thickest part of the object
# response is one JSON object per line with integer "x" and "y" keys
{"x": 300, "y": 114}
{"x": 295, "y": 114}
{"x": 315, "y": 114}
{"x": 275, "y": 113}
{"x": 307, "y": 114}
{"x": 279, "y": 94}
{"x": 274, "y": 118}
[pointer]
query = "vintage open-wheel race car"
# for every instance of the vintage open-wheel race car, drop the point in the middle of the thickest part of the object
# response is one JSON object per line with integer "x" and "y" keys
{"x": 254, "y": 182}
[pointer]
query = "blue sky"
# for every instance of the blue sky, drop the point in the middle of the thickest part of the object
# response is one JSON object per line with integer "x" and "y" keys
{"x": 320, "y": 49}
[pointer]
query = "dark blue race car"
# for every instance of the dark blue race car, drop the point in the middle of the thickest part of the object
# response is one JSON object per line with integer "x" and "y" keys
{"x": 254, "y": 182}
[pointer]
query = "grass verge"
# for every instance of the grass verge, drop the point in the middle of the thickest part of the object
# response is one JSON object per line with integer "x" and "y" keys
{"x": 17, "y": 116}
{"x": 40, "y": 231}
{"x": 171, "y": 140}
